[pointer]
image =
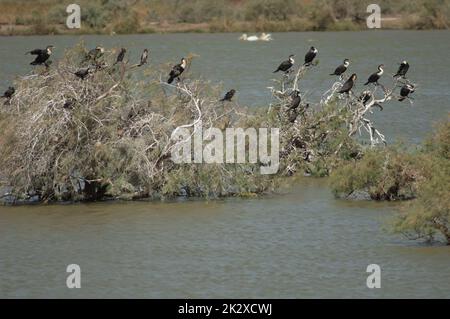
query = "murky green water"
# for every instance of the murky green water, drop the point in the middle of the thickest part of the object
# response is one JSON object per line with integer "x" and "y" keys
{"x": 302, "y": 243}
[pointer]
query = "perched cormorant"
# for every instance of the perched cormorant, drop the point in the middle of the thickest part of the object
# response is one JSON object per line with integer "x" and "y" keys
{"x": 405, "y": 91}
{"x": 295, "y": 100}
{"x": 286, "y": 65}
{"x": 229, "y": 95}
{"x": 144, "y": 57}
{"x": 374, "y": 77}
{"x": 83, "y": 73}
{"x": 9, "y": 93}
{"x": 94, "y": 54}
{"x": 309, "y": 57}
{"x": 342, "y": 68}
{"x": 402, "y": 69}
{"x": 365, "y": 97}
{"x": 177, "y": 70}
{"x": 120, "y": 56}
{"x": 41, "y": 55}
{"x": 348, "y": 85}
{"x": 292, "y": 117}
{"x": 69, "y": 103}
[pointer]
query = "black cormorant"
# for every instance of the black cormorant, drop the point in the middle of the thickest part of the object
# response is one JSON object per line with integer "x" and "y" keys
{"x": 309, "y": 57}
{"x": 286, "y": 65}
{"x": 402, "y": 69}
{"x": 229, "y": 95}
{"x": 120, "y": 56}
{"x": 9, "y": 93}
{"x": 94, "y": 54}
{"x": 177, "y": 70}
{"x": 374, "y": 77}
{"x": 292, "y": 117}
{"x": 365, "y": 97}
{"x": 405, "y": 91}
{"x": 342, "y": 68}
{"x": 348, "y": 85}
{"x": 83, "y": 73}
{"x": 144, "y": 57}
{"x": 41, "y": 55}
{"x": 295, "y": 100}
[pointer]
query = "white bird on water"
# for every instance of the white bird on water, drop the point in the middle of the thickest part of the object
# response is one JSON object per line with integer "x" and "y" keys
{"x": 253, "y": 38}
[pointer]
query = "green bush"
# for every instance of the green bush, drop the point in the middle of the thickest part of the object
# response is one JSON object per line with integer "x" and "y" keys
{"x": 429, "y": 215}
{"x": 385, "y": 174}
{"x": 275, "y": 10}
{"x": 395, "y": 173}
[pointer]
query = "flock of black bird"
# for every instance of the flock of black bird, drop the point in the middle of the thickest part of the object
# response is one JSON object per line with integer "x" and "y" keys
{"x": 346, "y": 88}
{"x": 43, "y": 56}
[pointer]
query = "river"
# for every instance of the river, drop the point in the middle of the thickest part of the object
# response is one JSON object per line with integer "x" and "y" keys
{"x": 300, "y": 243}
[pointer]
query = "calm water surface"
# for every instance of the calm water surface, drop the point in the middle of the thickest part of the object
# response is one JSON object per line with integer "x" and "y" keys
{"x": 302, "y": 243}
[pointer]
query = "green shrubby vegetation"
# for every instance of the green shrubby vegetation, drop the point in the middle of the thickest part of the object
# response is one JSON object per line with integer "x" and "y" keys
{"x": 386, "y": 174}
{"x": 395, "y": 173}
{"x": 109, "y": 135}
{"x": 126, "y": 16}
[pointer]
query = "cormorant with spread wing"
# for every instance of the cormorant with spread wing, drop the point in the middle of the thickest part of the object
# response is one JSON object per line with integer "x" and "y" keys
{"x": 42, "y": 56}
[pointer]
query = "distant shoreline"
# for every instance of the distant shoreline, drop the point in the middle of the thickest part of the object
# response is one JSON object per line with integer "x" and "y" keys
{"x": 390, "y": 23}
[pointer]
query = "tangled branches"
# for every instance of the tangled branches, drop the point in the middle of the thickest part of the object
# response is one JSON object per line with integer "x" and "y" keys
{"x": 319, "y": 134}
{"x": 109, "y": 134}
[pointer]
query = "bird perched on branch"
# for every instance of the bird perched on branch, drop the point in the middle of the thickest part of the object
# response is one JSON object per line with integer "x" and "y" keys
{"x": 228, "y": 96}
{"x": 120, "y": 56}
{"x": 402, "y": 69}
{"x": 295, "y": 100}
{"x": 348, "y": 85}
{"x": 144, "y": 57}
{"x": 42, "y": 56}
{"x": 405, "y": 91}
{"x": 177, "y": 70}
{"x": 83, "y": 73}
{"x": 341, "y": 68}
{"x": 286, "y": 65}
{"x": 9, "y": 93}
{"x": 292, "y": 117}
{"x": 365, "y": 97}
{"x": 310, "y": 56}
{"x": 374, "y": 77}
{"x": 94, "y": 54}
